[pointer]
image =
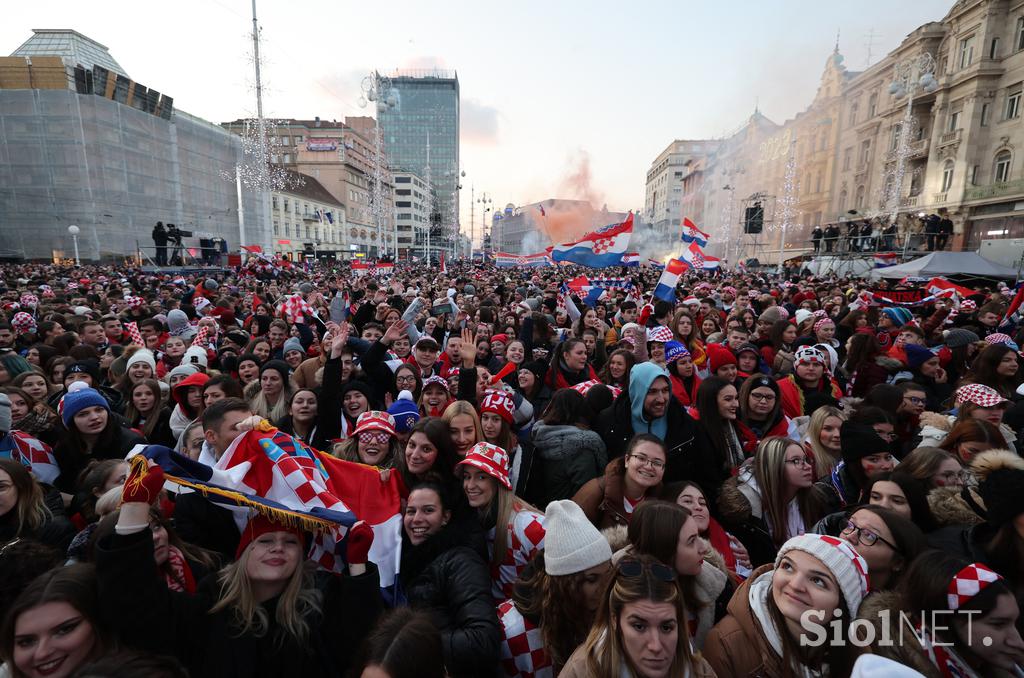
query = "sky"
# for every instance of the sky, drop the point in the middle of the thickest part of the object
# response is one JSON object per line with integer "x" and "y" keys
{"x": 550, "y": 89}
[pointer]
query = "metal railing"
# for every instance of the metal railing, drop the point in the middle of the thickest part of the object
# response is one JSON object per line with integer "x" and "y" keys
{"x": 997, "y": 190}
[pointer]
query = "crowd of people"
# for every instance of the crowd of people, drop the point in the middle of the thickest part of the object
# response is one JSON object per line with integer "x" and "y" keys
{"x": 770, "y": 476}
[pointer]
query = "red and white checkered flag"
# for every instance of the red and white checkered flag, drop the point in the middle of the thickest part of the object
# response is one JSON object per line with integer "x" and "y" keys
{"x": 294, "y": 309}
{"x": 133, "y": 331}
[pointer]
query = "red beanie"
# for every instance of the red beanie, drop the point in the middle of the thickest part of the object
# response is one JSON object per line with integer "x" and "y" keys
{"x": 258, "y": 526}
{"x": 719, "y": 356}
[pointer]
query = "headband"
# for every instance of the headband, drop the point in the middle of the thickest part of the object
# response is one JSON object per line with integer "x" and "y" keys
{"x": 968, "y": 583}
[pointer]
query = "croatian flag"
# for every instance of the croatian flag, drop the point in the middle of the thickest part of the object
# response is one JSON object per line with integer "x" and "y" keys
{"x": 275, "y": 473}
{"x": 542, "y": 212}
{"x": 666, "y": 289}
{"x": 506, "y": 260}
{"x": 693, "y": 234}
{"x": 600, "y": 249}
{"x": 941, "y": 287}
{"x": 886, "y": 259}
{"x": 631, "y": 259}
{"x": 698, "y": 260}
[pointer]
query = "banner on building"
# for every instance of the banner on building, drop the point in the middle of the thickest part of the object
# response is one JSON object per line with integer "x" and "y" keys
{"x": 322, "y": 144}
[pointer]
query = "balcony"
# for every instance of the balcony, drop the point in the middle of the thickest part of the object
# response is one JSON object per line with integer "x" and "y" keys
{"x": 950, "y": 137}
{"x": 909, "y": 201}
{"x": 1000, "y": 190}
{"x": 940, "y": 198}
{"x": 915, "y": 149}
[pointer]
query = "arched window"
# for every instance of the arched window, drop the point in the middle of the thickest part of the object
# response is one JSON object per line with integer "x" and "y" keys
{"x": 1001, "y": 173}
{"x": 859, "y": 199}
{"x": 842, "y": 200}
{"x": 947, "y": 176}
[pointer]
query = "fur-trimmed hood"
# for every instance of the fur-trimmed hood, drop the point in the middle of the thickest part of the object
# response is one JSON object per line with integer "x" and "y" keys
{"x": 950, "y": 507}
{"x": 888, "y": 364}
{"x": 993, "y": 460}
{"x": 733, "y": 506}
{"x": 908, "y": 653}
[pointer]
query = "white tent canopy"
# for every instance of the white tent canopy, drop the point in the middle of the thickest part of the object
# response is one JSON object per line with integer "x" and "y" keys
{"x": 946, "y": 264}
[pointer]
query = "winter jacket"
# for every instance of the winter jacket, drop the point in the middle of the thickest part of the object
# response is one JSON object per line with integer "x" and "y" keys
{"x": 935, "y": 427}
{"x": 56, "y": 531}
{"x": 685, "y": 460}
{"x": 447, "y": 577}
{"x": 881, "y": 609}
{"x": 736, "y": 509}
{"x": 838, "y": 489}
{"x": 602, "y": 498}
{"x": 870, "y": 374}
{"x": 955, "y": 506}
{"x": 570, "y": 457}
{"x": 738, "y": 646}
{"x": 137, "y": 604}
{"x": 793, "y": 394}
{"x": 73, "y": 461}
{"x": 304, "y": 375}
{"x": 199, "y": 521}
{"x": 749, "y": 439}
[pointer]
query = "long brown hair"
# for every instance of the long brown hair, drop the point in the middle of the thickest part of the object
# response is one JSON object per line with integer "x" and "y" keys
{"x": 654, "y": 530}
{"x": 31, "y": 512}
{"x": 152, "y": 418}
{"x": 547, "y": 598}
{"x": 769, "y": 466}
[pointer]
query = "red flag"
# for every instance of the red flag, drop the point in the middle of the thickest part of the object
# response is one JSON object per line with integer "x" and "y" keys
{"x": 254, "y": 249}
{"x": 444, "y": 268}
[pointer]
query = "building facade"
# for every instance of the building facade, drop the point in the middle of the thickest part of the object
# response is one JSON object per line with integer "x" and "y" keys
{"x": 663, "y": 190}
{"x": 528, "y": 230}
{"x": 342, "y": 157}
{"x": 83, "y": 144}
{"x": 421, "y": 135}
{"x": 413, "y": 204}
{"x": 308, "y": 219}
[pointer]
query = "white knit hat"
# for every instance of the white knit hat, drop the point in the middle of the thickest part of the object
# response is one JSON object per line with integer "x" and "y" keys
{"x": 845, "y": 564}
{"x": 571, "y": 543}
{"x": 195, "y": 355}
{"x": 143, "y": 355}
{"x": 801, "y": 315}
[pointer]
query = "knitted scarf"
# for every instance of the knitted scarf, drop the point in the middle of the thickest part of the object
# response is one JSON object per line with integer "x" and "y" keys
{"x": 178, "y": 574}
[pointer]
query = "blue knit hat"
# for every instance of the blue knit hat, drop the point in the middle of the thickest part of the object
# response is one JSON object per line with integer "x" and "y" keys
{"x": 405, "y": 412}
{"x": 674, "y": 350}
{"x": 79, "y": 397}
{"x": 898, "y": 315}
{"x": 917, "y": 355}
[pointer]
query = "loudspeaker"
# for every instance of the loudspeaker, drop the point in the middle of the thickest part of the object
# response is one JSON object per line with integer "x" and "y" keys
{"x": 753, "y": 219}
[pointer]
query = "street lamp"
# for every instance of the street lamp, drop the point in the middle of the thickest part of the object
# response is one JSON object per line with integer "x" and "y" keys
{"x": 74, "y": 231}
{"x": 484, "y": 202}
{"x": 378, "y": 89}
{"x": 915, "y": 75}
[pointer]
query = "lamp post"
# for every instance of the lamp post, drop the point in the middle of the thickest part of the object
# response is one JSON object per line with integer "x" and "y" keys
{"x": 378, "y": 89}
{"x": 484, "y": 209}
{"x": 912, "y": 76}
{"x": 74, "y": 231}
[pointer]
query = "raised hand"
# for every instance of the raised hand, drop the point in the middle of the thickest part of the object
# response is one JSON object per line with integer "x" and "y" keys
{"x": 468, "y": 349}
{"x": 396, "y": 331}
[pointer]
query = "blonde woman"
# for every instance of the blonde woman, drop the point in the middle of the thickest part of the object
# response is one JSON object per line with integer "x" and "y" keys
{"x": 264, "y": 615}
{"x": 274, "y": 392}
{"x": 822, "y": 441}
{"x": 463, "y": 425}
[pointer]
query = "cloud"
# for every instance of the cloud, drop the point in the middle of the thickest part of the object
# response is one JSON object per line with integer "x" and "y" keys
{"x": 479, "y": 123}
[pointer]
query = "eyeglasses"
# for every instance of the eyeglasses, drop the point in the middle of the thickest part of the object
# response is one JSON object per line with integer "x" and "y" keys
{"x": 915, "y": 400}
{"x": 799, "y": 461}
{"x": 634, "y": 568}
{"x": 866, "y": 536}
{"x": 763, "y": 397}
{"x": 367, "y": 437}
{"x": 408, "y": 379}
{"x": 885, "y": 435}
{"x": 951, "y": 476}
{"x": 644, "y": 460}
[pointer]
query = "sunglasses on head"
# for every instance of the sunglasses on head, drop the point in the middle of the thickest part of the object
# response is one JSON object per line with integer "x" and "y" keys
{"x": 634, "y": 568}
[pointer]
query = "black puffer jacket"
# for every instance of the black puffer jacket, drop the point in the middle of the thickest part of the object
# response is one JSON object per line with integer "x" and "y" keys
{"x": 137, "y": 604}
{"x": 447, "y": 577}
{"x": 570, "y": 457}
{"x": 114, "y": 443}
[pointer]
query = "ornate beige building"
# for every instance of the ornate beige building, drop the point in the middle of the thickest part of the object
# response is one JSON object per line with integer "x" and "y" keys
{"x": 961, "y": 152}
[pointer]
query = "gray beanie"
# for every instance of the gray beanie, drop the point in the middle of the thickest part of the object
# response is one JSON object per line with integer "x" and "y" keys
{"x": 185, "y": 370}
{"x": 5, "y": 413}
{"x": 773, "y": 314}
{"x": 293, "y": 344}
{"x": 571, "y": 542}
{"x": 957, "y": 337}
